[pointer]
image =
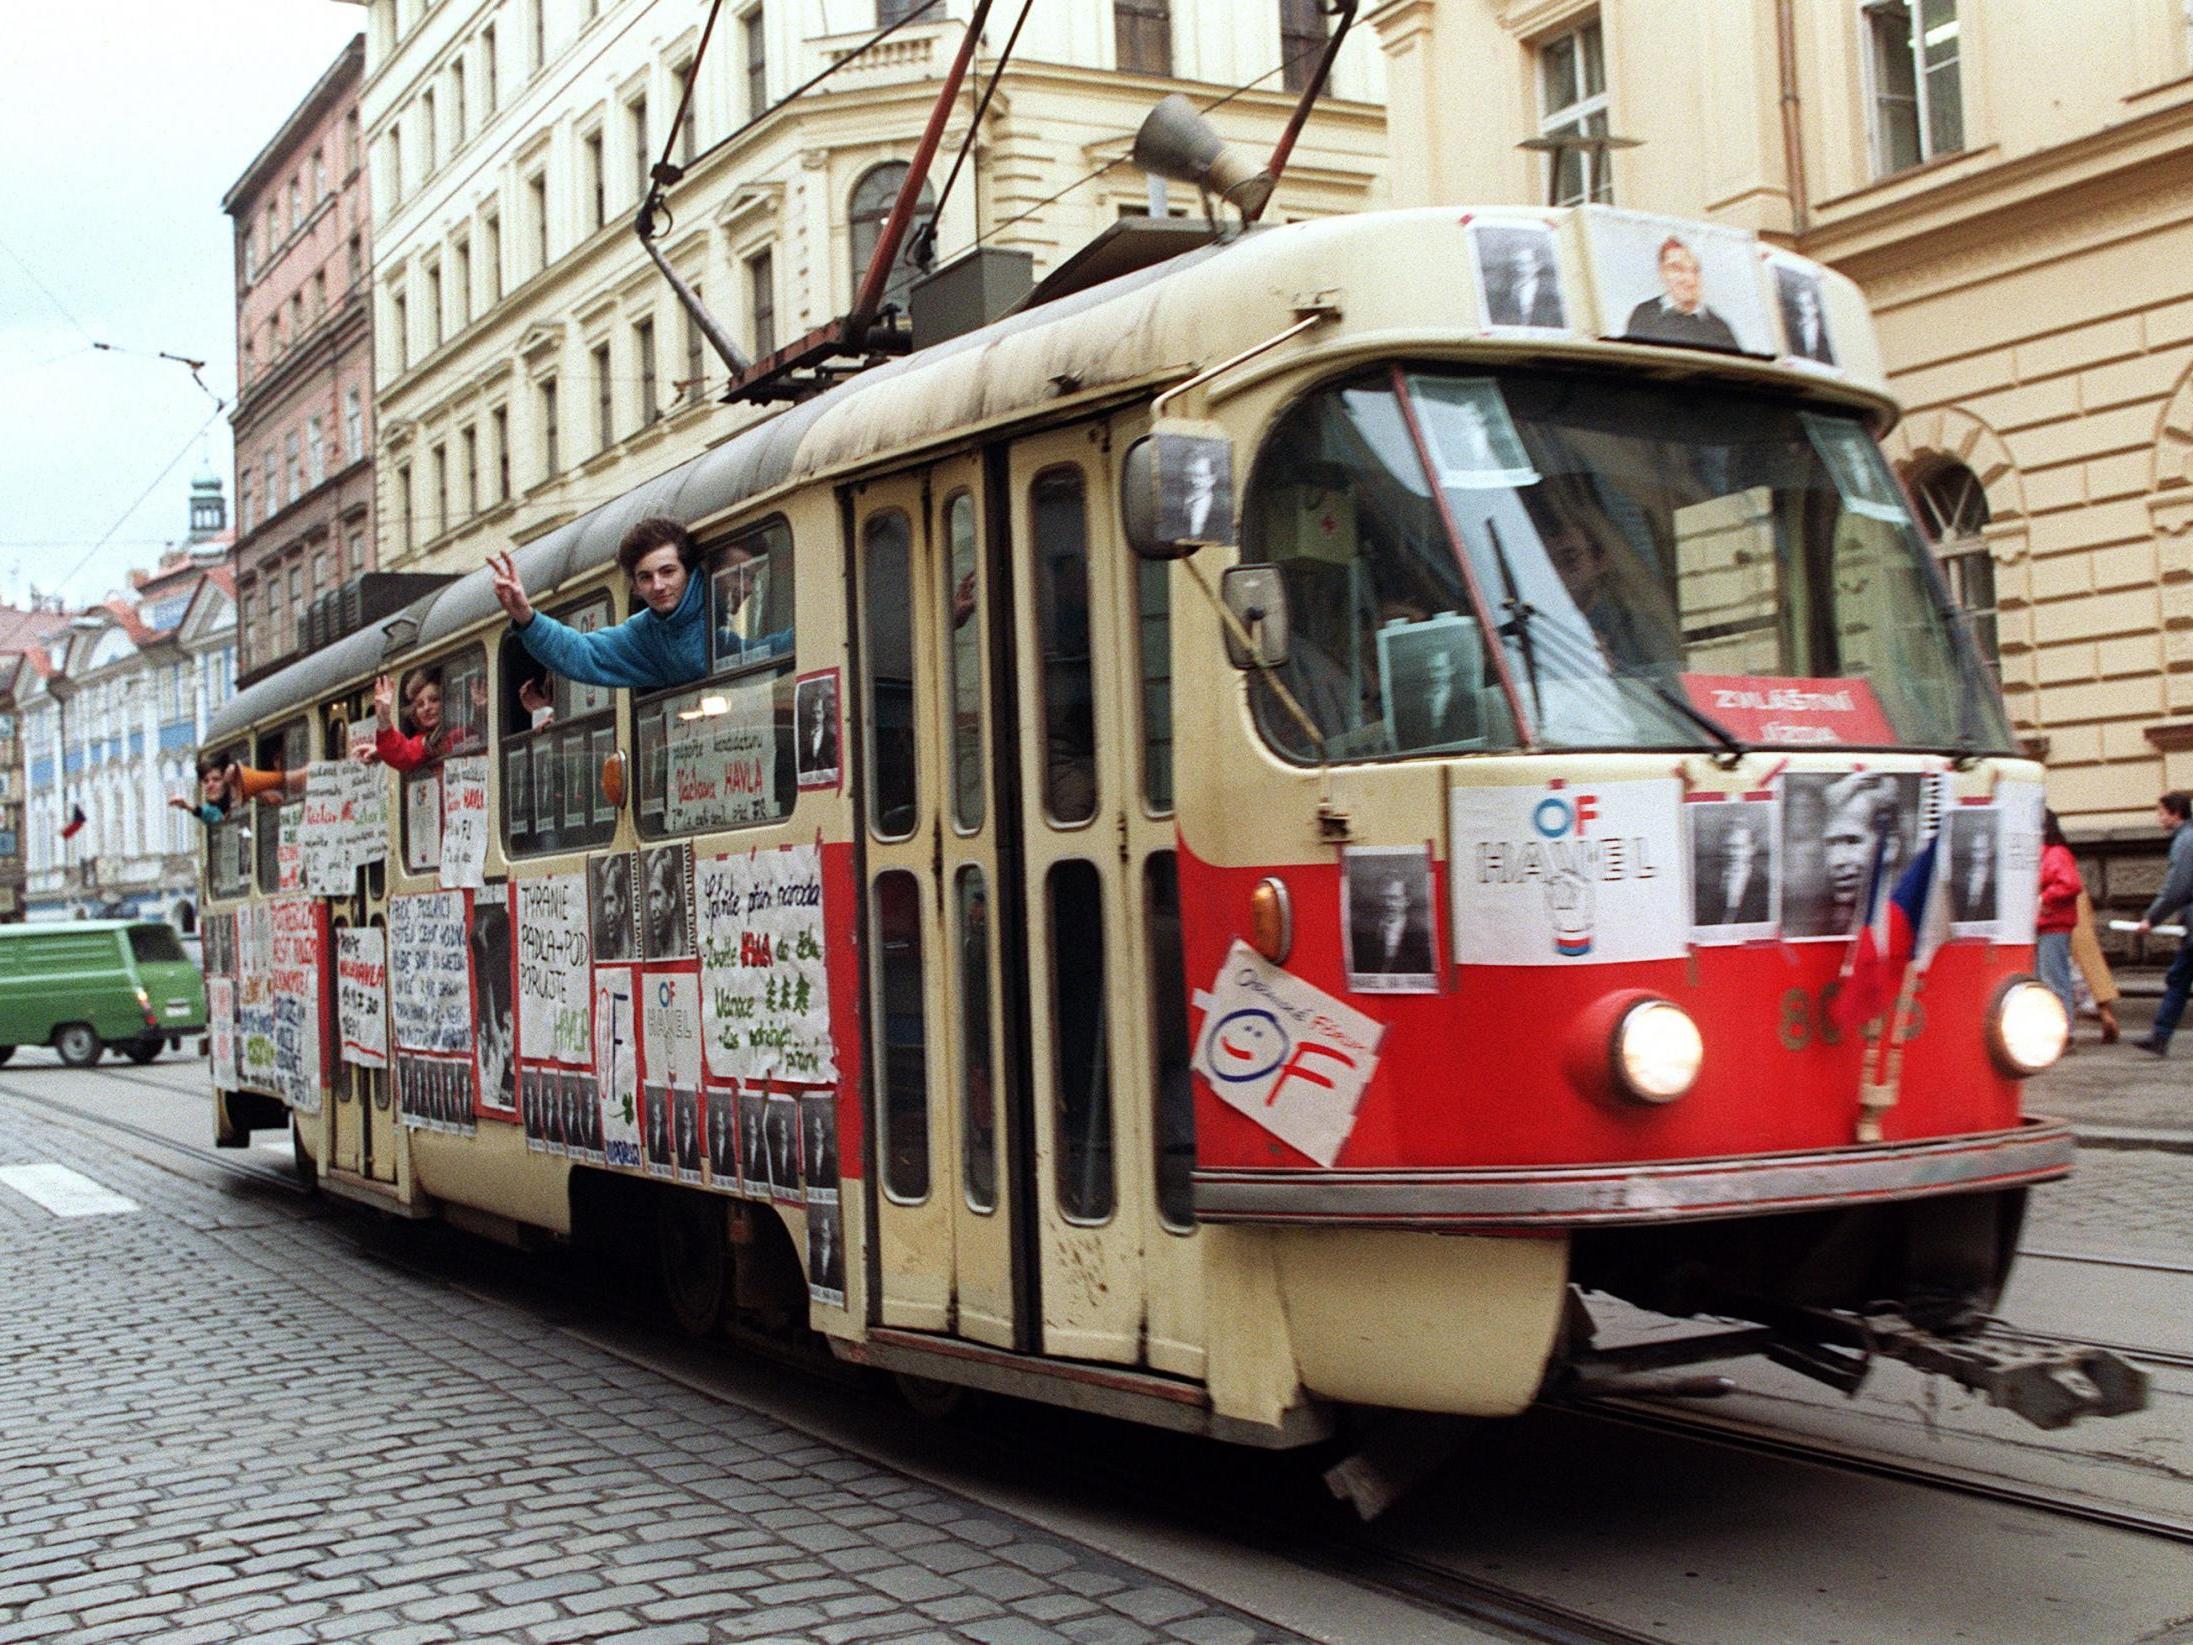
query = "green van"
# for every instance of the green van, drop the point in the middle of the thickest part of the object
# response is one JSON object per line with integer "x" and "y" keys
{"x": 83, "y": 985}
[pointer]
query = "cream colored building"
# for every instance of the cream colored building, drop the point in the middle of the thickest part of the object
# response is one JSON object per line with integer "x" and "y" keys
{"x": 531, "y": 362}
{"x": 2012, "y": 184}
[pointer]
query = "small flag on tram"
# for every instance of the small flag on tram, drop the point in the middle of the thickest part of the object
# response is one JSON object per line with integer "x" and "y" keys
{"x": 75, "y": 824}
{"x": 1898, "y": 930}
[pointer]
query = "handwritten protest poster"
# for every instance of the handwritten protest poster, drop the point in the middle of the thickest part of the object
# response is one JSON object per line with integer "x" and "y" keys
{"x": 722, "y": 767}
{"x": 297, "y": 926}
{"x": 289, "y": 856}
{"x": 256, "y": 1068}
{"x": 464, "y": 822}
{"x": 616, "y": 1064}
{"x": 555, "y": 966}
{"x": 364, "y": 791}
{"x": 430, "y": 972}
{"x": 324, "y": 841}
{"x": 361, "y": 995}
{"x": 1285, "y": 1053}
{"x": 221, "y": 1030}
{"x": 765, "y": 991}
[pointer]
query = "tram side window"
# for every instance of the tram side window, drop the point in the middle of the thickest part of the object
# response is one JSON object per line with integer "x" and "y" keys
{"x": 1057, "y": 505}
{"x": 272, "y": 818}
{"x": 557, "y": 734}
{"x": 1081, "y": 1063}
{"x": 902, "y": 1054}
{"x": 886, "y": 547}
{"x": 963, "y": 642}
{"x": 1174, "y": 1127}
{"x": 228, "y": 842}
{"x": 446, "y": 702}
{"x": 977, "y": 1096}
{"x": 1154, "y": 648}
{"x": 720, "y": 754}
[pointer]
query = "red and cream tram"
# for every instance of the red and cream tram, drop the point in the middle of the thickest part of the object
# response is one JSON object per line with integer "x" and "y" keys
{"x": 1257, "y": 833}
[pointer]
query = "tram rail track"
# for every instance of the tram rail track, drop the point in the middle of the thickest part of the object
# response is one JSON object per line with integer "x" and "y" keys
{"x": 225, "y": 1159}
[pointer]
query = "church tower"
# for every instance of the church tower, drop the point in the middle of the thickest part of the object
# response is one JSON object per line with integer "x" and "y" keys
{"x": 208, "y": 506}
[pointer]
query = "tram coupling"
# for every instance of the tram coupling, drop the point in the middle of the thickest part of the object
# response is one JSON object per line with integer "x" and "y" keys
{"x": 2051, "y": 1385}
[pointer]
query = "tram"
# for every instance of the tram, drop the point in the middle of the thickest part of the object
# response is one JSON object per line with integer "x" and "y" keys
{"x": 1262, "y": 837}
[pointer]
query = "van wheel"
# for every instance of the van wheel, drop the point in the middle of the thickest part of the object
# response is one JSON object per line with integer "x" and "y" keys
{"x": 77, "y": 1045}
{"x": 144, "y": 1050}
{"x": 6, "y": 1051}
{"x": 692, "y": 1260}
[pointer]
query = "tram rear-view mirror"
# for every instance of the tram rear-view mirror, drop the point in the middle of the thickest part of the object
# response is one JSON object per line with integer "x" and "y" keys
{"x": 1256, "y": 600}
{"x": 1177, "y": 491}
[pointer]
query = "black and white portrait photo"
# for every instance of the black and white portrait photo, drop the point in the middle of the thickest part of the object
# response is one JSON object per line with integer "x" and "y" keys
{"x": 494, "y": 1042}
{"x": 1386, "y": 917}
{"x": 753, "y": 1144}
{"x": 722, "y": 1123}
{"x": 655, "y": 1127}
{"x": 1733, "y": 882}
{"x": 1434, "y": 672}
{"x": 1518, "y": 278}
{"x": 1830, "y": 823}
{"x": 1804, "y": 314}
{"x": 1472, "y": 438}
{"x": 685, "y": 1124}
{"x": 609, "y": 895}
{"x": 1855, "y": 464}
{"x": 819, "y": 1144}
{"x": 781, "y": 1126}
{"x": 1195, "y": 488}
{"x": 1692, "y": 285}
{"x": 815, "y": 730}
{"x": 666, "y": 908}
{"x": 1974, "y": 856}
{"x": 587, "y": 1110}
{"x": 825, "y": 1254}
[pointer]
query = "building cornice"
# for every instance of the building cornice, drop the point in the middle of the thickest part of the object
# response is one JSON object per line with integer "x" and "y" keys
{"x": 343, "y": 76}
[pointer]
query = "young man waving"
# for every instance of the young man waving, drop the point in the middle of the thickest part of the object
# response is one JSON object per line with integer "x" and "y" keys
{"x": 664, "y": 644}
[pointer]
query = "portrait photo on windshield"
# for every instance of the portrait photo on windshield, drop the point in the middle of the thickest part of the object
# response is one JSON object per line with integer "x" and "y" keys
{"x": 1831, "y": 822}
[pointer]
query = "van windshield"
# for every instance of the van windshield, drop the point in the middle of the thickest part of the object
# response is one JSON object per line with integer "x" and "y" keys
{"x": 156, "y": 945}
{"x": 1618, "y": 562}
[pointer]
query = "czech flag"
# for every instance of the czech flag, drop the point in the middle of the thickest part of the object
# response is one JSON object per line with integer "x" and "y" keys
{"x": 75, "y": 824}
{"x": 1896, "y": 931}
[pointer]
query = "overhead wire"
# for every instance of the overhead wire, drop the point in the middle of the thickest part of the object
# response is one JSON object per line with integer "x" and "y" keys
{"x": 138, "y": 502}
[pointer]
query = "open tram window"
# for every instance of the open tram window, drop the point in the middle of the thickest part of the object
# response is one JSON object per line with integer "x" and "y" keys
{"x": 444, "y": 701}
{"x": 228, "y": 842}
{"x": 719, "y": 754}
{"x": 557, "y": 732}
{"x": 272, "y": 817}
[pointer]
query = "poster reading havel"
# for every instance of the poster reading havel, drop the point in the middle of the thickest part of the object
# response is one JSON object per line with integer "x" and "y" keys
{"x": 765, "y": 991}
{"x": 361, "y": 995}
{"x": 555, "y": 972}
{"x": 1581, "y": 874}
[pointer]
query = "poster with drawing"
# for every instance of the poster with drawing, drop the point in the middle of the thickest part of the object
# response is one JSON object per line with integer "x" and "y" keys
{"x": 765, "y": 986}
{"x": 361, "y": 995}
{"x": 464, "y": 822}
{"x": 1578, "y": 874}
{"x": 221, "y": 1030}
{"x": 616, "y": 1064}
{"x": 297, "y": 927}
{"x": 256, "y": 1067}
{"x": 555, "y": 971}
{"x": 1285, "y": 1053}
{"x": 430, "y": 972}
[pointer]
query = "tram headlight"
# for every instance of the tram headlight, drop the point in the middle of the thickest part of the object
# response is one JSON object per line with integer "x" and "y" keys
{"x": 2027, "y": 1029}
{"x": 1657, "y": 1051}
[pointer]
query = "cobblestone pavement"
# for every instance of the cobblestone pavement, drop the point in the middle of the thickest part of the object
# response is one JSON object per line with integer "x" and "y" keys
{"x": 217, "y": 1422}
{"x": 2118, "y": 1088}
{"x": 2135, "y": 1202}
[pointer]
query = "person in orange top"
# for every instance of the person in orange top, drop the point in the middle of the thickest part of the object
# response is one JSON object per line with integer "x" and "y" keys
{"x": 2061, "y": 889}
{"x": 427, "y": 739}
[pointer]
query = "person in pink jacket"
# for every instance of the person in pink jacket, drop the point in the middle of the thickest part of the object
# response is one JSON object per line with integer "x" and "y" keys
{"x": 2061, "y": 889}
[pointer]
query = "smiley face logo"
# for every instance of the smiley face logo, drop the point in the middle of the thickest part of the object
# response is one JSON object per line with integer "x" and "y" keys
{"x": 1246, "y": 1045}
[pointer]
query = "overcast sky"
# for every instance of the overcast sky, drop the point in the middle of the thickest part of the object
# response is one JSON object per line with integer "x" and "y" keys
{"x": 122, "y": 123}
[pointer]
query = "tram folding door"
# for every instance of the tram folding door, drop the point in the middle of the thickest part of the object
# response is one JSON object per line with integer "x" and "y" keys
{"x": 946, "y": 1205}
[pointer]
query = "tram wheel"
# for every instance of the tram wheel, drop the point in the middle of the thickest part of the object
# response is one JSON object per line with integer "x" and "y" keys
{"x": 75, "y": 1044}
{"x": 308, "y": 1174}
{"x": 692, "y": 1261}
{"x": 929, "y": 1399}
{"x": 144, "y": 1050}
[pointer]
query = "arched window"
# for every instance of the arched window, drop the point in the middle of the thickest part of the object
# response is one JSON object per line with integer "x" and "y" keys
{"x": 1953, "y": 508}
{"x": 872, "y": 199}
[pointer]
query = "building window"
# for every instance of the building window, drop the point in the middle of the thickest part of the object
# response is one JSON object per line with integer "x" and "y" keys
{"x": 1918, "y": 101}
{"x": 353, "y": 425}
{"x": 689, "y": 127}
{"x": 292, "y": 469}
{"x": 604, "y": 399}
{"x": 357, "y": 258}
{"x": 1953, "y": 508}
{"x": 430, "y": 129}
{"x": 469, "y": 442}
{"x": 400, "y": 323}
{"x": 761, "y": 291}
{"x": 433, "y": 307}
{"x": 456, "y": 104}
{"x": 1142, "y": 30}
{"x": 440, "y": 522}
{"x": 1572, "y": 102}
{"x": 696, "y": 369}
{"x": 536, "y": 16}
{"x": 536, "y": 190}
{"x": 894, "y": 11}
{"x": 350, "y": 142}
{"x": 487, "y": 72}
{"x": 403, "y": 503}
{"x": 1301, "y": 41}
{"x": 636, "y": 112}
{"x": 643, "y": 344}
{"x": 491, "y": 245}
{"x": 319, "y": 292}
{"x": 461, "y": 282}
{"x": 872, "y": 199}
{"x": 296, "y": 205}
{"x": 315, "y": 453}
{"x": 498, "y": 426}
{"x": 550, "y": 462}
{"x": 319, "y": 174}
{"x": 755, "y": 37}
{"x": 357, "y": 552}
{"x": 266, "y": 469}
{"x": 590, "y": 151}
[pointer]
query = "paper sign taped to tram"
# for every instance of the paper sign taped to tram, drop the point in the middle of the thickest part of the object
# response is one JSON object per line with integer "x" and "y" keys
{"x": 722, "y": 763}
{"x": 555, "y": 971}
{"x": 323, "y": 840}
{"x": 1822, "y": 713}
{"x": 430, "y": 972}
{"x": 1578, "y": 874}
{"x": 256, "y": 1069}
{"x": 464, "y": 822}
{"x": 1285, "y": 1053}
{"x": 297, "y": 925}
{"x": 221, "y": 1030}
{"x": 765, "y": 987}
{"x": 289, "y": 855}
{"x": 2019, "y": 806}
{"x": 361, "y": 995}
{"x": 616, "y": 1064}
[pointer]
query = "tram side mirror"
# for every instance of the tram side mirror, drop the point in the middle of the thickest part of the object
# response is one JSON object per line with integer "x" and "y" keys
{"x": 1177, "y": 491}
{"x": 1257, "y": 601}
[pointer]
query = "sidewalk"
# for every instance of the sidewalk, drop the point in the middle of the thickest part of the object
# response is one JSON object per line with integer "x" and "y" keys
{"x": 221, "y": 1421}
{"x": 2119, "y": 1097}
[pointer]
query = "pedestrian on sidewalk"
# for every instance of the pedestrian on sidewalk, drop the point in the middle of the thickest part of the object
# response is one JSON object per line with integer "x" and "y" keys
{"x": 2093, "y": 964}
{"x": 2171, "y": 812}
{"x": 2061, "y": 889}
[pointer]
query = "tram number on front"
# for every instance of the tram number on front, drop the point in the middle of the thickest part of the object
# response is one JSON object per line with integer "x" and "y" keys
{"x": 1808, "y": 1019}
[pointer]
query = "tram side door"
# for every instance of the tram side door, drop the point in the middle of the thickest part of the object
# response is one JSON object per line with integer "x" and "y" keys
{"x": 945, "y": 1205}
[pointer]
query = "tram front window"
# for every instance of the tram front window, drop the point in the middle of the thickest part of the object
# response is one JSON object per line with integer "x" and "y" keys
{"x": 1660, "y": 563}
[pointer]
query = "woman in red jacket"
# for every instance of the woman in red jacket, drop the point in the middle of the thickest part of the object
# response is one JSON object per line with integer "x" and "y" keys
{"x": 427, "y": 739}
{"x": 2061, "y": 889}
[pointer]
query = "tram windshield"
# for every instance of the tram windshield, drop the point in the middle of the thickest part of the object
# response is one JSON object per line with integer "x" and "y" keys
{"x": 1662, "y": 565}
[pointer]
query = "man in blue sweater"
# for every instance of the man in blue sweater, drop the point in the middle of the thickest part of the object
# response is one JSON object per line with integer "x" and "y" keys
{"x": 2171, "y": 812}
{"x": 664, "y": 645}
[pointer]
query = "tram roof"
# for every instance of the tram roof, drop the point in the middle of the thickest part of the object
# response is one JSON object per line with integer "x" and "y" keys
{"x": 1169, "y": 321}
